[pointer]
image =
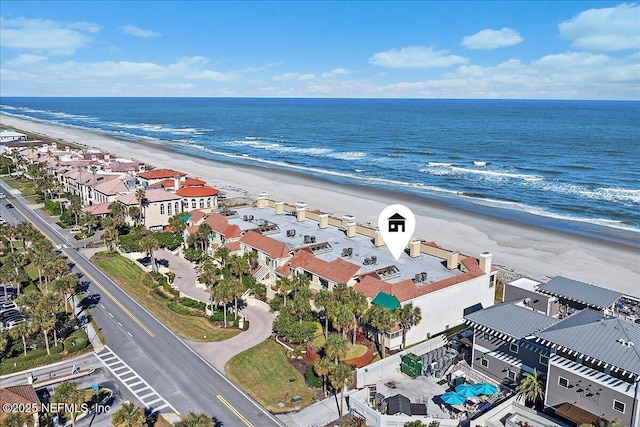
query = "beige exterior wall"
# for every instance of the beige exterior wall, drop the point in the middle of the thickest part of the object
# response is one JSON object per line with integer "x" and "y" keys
{"x": 157, "y": 214}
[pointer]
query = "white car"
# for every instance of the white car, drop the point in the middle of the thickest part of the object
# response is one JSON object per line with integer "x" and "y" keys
{"x": 6, "y": 306}
{"x": 3, "y": 196}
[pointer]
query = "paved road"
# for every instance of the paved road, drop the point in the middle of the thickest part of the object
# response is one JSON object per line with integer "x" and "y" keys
{"x": 164, "y": 361}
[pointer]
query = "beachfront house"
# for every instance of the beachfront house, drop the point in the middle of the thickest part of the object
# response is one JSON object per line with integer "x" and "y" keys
{"x": 11, "y": 136}
{"x": 161, "y": 177}
{"x": 157, "y": 207}
{"x": 272, "y": 254}
{"x": 200, "y": 197}
{"x": 589, "y": 361}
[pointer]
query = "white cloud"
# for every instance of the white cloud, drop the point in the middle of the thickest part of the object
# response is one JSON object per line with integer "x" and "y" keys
{"x": 492, "y": 39}
{"x": 416, "y": 57}
{"x": 335, "y": 73}
{"x": 26, "y": 59}
{"x": 214, "y": 76}
{"x": 132, "y": 30}
{"x": 609, "y": 29}
{"x": 286, "y": 77}
{"x": 305, "y": 77}
{"x": 38, "y": 35}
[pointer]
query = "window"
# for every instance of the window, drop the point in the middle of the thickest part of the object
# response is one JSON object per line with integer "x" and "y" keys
{"x": 169, "y": 208}
{"x": 544, "y": 360}
{"x": 201, "y": 203}
{"x": 563, "y": 382}
{"x": 209, "y": 202}
{"x": 511, "y": 375}
{"x": 193, "y": 204}
{"x": 492, "y": 280}
{"x": 177, "y": 207}
{"x": 484, "y": 362}
{"x": 513, "y": 347}
{"x": 619, "y": 406}
{"x": 486, "y": 336}
{"x": 161, "y": 208}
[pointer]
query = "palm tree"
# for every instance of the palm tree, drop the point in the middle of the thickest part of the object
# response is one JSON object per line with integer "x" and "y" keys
{"x": 341, "y": 377}
{"x": 222, "y": 293}
{"x": 239, "y": 267}
{"x": 45, "y": 322}
{"x": 68, "y": 393}
{"x": 88, "y": 221}
{"x": 21, "y": 330}
{"x": 51, "y": 304}
{"x": 42, "y": 255}
{"x": 324, "y": 299}
{"x": 18, "y": 419}
{"x": 284, "y": 285}
{"x": 149, "y": 245}
{"x": 341, "y": 317}
{"x": 75, "y": 208}
{"x": 129, "y": 415}
{"x": 177, "y": 223}
{"x": 408, "y": 315}
{"x": 358, "y": 304}
{"x": 336, "y": 347}
{"x": 196, "y": 420}
{"x": 140, "y": 197}
{"x": 531, "y": 387}
{"x": 117, "y": 212}
{"x": 323, "y": 367}
{"x": 15, "y": 261}
{"x": 382, "y": 319}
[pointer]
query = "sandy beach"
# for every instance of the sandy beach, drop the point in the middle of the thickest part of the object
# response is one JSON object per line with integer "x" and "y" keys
{"x": 535, "y": 252}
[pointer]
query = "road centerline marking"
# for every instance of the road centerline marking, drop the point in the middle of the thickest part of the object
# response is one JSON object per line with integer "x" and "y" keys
{"x": 234, "y": 410}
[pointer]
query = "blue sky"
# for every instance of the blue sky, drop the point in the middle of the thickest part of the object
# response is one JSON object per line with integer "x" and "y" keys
{"x": 419, "y": 49}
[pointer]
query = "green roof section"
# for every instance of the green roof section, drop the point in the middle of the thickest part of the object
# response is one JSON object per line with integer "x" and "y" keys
{"x": 387, "y": 301}
{"x": 185, "y": 217}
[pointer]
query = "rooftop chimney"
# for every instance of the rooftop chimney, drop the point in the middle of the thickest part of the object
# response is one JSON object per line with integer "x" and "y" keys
{"x": 377, "y": 239}
{"x": 301, "y": 211}
{"x": 414, "y": 248}
{"x": 351, "y": 229}
{"x": 261, "y": 202}
{"x": 453, "y": 260}
{"x": 323, "y": 220}
{"x": 279, "y": 208}
{"x": 485, "y": 262}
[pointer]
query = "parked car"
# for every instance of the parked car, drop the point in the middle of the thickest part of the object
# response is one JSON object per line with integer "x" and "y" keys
{"x": 3, "y": 196}
{"x": 8, "y": 306}
{"x": 13, "y": 322}
{"x": 9, "y": 206}
{"x": 9, "y": 313}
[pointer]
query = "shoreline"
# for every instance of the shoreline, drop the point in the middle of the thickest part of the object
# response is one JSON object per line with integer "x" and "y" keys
{"x": 536, "y": 251}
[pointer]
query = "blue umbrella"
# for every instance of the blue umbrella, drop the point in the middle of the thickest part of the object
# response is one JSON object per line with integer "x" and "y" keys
{"x": 486, "y": 389}
{"x": 451, "y": 398}
{"x": 466, "y": 390}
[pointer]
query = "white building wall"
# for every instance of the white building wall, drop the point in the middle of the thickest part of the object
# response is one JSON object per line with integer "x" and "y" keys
{"x": 444, "y": 309}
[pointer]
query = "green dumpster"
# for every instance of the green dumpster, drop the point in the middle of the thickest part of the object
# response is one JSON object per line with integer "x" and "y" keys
{"x": 411, "y": 365}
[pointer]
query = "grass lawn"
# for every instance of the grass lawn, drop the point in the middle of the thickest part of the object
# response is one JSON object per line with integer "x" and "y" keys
{"x": 352, "y": 352}
{"x": 130, "y": 278}
{"x": 24, "y": 185}
{"x": 264, "y": 372}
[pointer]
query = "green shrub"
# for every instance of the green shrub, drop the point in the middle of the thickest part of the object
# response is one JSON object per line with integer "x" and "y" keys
{"x": 167, "y": 287}
{"x": 149, "y": 282}
{"x": 178, "y": 308}
{"x": 170, "y": 241}
{"x": 76, "y": 341}
{"x": 218, "y": 316}
{"x": 188, "y": 302}
{"x": 290, "y": 328}
{"x": 171, "y": 276}
{"x": 159, "y": 277}
{"x": 52, "y": 207}
{"x": 130, "y": 242}
{"x": 313, "y": 379}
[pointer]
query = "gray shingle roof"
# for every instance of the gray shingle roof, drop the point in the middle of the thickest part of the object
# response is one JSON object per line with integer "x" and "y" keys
{"x": 510, "y": 319}
{"x": 607, "y": 341}
{"x": 582, "y": 292}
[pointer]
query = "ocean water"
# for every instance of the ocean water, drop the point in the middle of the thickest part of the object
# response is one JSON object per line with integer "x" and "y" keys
{"x": 570, "y": 165}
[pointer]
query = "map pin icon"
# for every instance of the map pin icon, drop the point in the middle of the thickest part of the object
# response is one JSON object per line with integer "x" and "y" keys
{"x": 396, "y": 224}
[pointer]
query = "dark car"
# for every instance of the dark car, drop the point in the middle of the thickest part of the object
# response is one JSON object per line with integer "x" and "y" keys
{"x": 9, "y": 206}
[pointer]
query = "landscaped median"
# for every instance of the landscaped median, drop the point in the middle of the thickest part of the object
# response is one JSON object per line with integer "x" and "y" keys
{"x": 157, "y": 299}
{"x": 265, "y": 373}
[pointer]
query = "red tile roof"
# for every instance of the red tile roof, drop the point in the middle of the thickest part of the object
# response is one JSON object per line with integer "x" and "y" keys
{"x": 197, "y": 191}
{"x": 161, "y": 174}
{"x": 407, "y": 290}
{"x": 99, "y": 209}
{"x": 192, "y": 229}
{"x": 232, "y": 246}
{"x": 232, "y": 231}
{"x": 151, "y": 194}
{"x": 217, "y": 222}
{"x": 265, "y": 244}
{"x": 196, "y": 215}
{"x": 20, "y": 394}
{"x": 166, "y": 183}
{"x": 193, "y": 182}
{"x": 338, "y": 270}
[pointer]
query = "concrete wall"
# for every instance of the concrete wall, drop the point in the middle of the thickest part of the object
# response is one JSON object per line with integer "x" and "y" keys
{"x": 382, "y": 368}
{"x": 444, "y": 309}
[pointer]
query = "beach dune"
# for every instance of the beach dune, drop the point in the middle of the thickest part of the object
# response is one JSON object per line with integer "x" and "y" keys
{"x": 534, "y": 252}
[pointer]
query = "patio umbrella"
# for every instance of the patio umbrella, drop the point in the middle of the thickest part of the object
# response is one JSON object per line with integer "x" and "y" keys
{"x": 466, "y": 390}
{"x": 451, "y": 398}
{"x": 486, "y": 388}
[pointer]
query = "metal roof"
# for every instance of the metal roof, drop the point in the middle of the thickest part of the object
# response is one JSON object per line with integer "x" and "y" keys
{"x": 596, "y": 336}
{"x": 510, "y": 319}
{"x": 398, "y": 404}
{"x": 585, "y": 293}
